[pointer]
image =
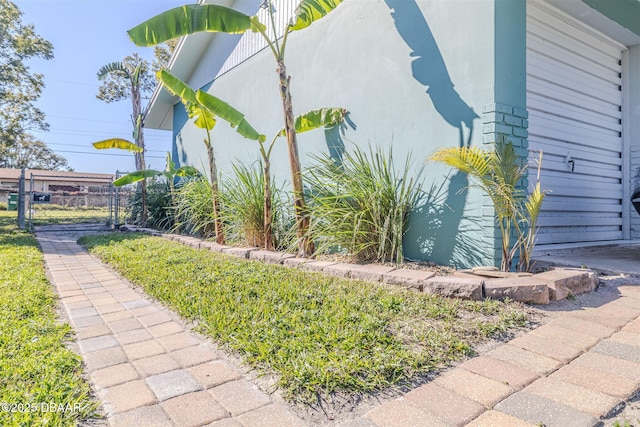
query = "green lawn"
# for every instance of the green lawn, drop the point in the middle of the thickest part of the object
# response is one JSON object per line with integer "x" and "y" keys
{"x": 317, "y": 334}
{"x": 36, "y": 368}
{"x": 52, "y": 214}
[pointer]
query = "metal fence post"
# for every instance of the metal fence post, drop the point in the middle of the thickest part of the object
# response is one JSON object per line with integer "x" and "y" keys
{"x": 111, "y": 197}
{"x": 117, "y": 203}
{"x": 21, "y": 200}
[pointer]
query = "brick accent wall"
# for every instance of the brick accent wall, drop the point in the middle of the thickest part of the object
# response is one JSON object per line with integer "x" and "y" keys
{"x": 511, "y": 122}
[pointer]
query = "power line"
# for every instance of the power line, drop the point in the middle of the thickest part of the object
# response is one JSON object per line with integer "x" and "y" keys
{"x": 106, "y": 154}
{"x": 85, "y": 146}
{"x": 97, "y": 132}
{"x": 100, "y": 134}
{"x": 55, "y": 129}
{"x": 88, "y": 120}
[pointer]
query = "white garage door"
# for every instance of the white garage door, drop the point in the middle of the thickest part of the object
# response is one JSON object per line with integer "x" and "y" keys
{"x": 574, "y": 98}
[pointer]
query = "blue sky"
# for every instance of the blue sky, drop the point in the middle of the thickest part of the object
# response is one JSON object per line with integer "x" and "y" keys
{"x": 87, "y": 35}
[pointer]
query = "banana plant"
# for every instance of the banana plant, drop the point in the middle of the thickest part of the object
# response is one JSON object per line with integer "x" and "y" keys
{"x": 321, "y": 118}
{"x": 170, "y": 173}
{"x": 204, "y": 109}
{"x": 193, "y": 18}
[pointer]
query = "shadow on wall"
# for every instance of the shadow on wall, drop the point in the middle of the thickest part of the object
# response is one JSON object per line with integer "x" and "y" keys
{"x": 435, "y": 232}
{"x": 179, "y": 152}
{"x": 334, "y": 138}
{"x": 429, "y": 68}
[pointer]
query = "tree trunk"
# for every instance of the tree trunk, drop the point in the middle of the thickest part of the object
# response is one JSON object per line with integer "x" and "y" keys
{"x": 268, "y": 214}
{"x": 140, "y": 162}
{"x": 143, "y": 184}
{"x": 213, "y": 173}
{"x": 305, "y": 243}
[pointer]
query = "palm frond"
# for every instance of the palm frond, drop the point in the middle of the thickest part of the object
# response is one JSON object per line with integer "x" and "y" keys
{"x": 506, "y": 166}
{"x": 471, "y": 160}
{"x": 112, "y": 67}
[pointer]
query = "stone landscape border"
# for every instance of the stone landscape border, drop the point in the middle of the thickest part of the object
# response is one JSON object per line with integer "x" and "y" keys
{"x": 472, "y": 284}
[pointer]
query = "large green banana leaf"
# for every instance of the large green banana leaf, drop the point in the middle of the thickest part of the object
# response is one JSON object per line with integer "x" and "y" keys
{"x": 177, "y": 87}
{"x": 190, "y": 19}
{"x": 227, "y": 112}
{"x": 309, "y": 11}
{"x": 315, "y": 119}
{"x": 183, "y": 171}
{"x": 119, "y": 143}
{"x": 170, "y": 169}
{"x": 135, "y": 177}
{"x": 204, "y": 107}
{"x": 202, "y": 116}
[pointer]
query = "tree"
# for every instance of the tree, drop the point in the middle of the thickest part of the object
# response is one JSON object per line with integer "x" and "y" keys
{"x": 191, "y": 19}
{"x": 28, "y": 152}
{"x": 129, "y": 80}
{"x": 133, "y": 78}
{"x": 19, "y": 87}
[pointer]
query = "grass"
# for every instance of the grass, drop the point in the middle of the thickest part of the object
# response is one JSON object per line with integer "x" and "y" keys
{"x": 317, "y": 334}
{"x": 242, "y": 199}
{"x": 36, "y": 365}
{"x": 362, "y": 203}
{"x": 54, "y": 214}
{"x": 194, "y": 210}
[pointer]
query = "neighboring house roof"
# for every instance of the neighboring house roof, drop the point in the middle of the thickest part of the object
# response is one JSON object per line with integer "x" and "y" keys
{"x": 7, "y": 174}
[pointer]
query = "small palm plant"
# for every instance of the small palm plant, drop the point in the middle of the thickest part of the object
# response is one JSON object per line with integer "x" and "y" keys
{"x": 498, "y": 173}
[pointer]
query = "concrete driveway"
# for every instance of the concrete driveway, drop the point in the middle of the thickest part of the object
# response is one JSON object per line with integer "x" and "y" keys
{"x": 618, "y": 259}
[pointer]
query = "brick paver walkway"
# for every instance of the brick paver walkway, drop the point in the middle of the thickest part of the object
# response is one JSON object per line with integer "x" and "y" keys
{"x": 149, "y": 370}
{"x": 570, "y": 372}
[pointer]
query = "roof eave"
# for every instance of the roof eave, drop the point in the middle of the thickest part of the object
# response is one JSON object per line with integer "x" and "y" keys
{"x": 182, "y": 64}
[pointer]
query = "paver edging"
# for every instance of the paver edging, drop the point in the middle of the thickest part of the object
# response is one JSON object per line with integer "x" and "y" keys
{"x": 488, "y": 281}
{"x": 409, "y": 278}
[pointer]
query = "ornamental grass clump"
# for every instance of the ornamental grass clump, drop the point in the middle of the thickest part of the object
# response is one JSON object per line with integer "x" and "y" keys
{"x": 159, "y": 205}
{"x": 362, "y": 204}
{"x": 242, "y": 197}
{"x": 194, "y": 212}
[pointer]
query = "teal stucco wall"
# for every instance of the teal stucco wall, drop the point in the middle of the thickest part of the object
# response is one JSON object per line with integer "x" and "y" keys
{"x": 415, "y": 75}
{"x": 624, "y": 12}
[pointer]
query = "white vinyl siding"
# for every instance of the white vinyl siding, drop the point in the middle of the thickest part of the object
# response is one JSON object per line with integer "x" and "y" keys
{"x": 574, "y": 99}
{"x": 252, "y": 43}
